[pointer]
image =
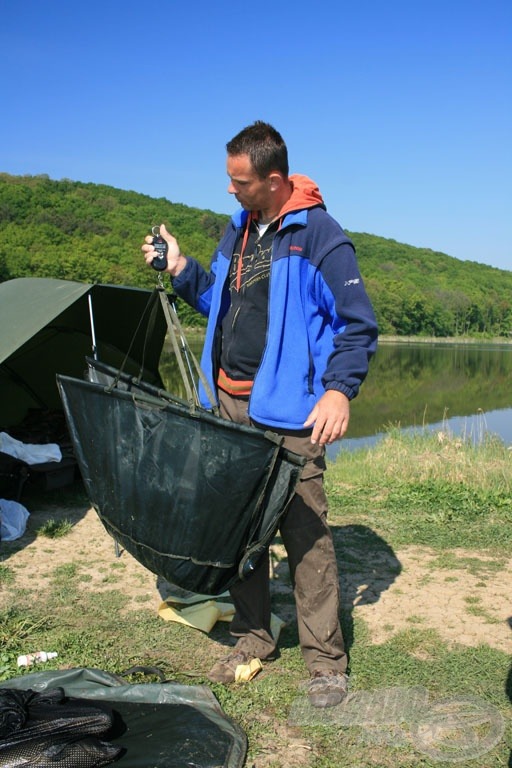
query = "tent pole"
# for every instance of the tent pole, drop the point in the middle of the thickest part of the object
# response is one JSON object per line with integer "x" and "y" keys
{"x": 95, "y": 355}
{"x": 93, "y": 334}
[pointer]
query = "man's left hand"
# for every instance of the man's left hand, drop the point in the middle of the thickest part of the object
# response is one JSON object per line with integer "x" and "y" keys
{"x": 330, "y": 417}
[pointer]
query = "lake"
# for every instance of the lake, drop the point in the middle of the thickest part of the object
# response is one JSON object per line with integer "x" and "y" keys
{"x": 463, "y": 388}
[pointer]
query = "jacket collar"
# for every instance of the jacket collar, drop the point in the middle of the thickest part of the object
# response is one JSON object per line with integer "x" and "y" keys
{"x": 305, "y": 195}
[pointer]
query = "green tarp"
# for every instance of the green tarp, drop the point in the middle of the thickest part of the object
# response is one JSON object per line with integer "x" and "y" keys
{"x": 160, "y": 725}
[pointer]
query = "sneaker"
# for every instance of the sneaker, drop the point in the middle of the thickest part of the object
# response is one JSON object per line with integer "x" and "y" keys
{"x": 326, "y": 689}
{"x": 224, "y": 671}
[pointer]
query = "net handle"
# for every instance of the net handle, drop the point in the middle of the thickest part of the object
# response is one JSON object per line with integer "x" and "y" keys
{"x": 187, "y": 361}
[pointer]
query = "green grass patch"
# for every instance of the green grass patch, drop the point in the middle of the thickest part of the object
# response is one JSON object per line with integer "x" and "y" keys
{"x": 6, "y": 575}
{"x": 18, "y": 626}
{"x": 54, "y": 529}
{"x": 476, "y": 566}
{"x": 65, "y": 572}
{"x": 423, "y": 490}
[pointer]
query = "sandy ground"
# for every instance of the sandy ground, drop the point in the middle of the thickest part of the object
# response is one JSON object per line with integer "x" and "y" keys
{"x": 467, "y": 599}
{"x": 464, "y": 607}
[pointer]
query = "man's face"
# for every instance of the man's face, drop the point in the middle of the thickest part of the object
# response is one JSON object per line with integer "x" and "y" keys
{"x": 252, "y": 193}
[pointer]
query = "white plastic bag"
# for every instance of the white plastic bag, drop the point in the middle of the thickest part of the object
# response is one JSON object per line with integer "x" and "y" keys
{"x": 28, "y": 452}
{"x": 13, "y": 520}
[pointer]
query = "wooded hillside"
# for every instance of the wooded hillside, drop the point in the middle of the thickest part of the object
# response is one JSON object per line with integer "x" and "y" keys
{"x": 92, "y": 232}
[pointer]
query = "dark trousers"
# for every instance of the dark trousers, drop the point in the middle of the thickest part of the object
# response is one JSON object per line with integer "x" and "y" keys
{"x": 308, "y": 541}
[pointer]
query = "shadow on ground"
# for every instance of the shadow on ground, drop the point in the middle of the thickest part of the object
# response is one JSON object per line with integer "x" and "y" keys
{"x": 69, "y": 503}
{"x": 367, "y": 567}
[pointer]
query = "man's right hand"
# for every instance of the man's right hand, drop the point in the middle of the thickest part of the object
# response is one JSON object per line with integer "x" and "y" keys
{"x": 176, "y": 261}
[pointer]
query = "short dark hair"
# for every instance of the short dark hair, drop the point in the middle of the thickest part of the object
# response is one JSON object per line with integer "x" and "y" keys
{"x": 265, "y": 147}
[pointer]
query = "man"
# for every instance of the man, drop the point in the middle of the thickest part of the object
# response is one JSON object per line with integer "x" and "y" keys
{"x": 289, "y": 337}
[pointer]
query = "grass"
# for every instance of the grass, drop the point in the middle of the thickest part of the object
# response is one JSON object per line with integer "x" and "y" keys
{"x": 54, "y": 529}
{"x": 427, "y": 490}
{"x": 6, "y": 575}
{"x": 474, "y": 565}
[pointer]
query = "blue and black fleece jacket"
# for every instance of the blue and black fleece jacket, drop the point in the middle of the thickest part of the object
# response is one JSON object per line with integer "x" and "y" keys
{"x": 321, "y": 328}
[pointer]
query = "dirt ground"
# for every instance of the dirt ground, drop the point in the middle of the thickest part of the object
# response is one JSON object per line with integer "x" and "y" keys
{"x": 465, "y": 598}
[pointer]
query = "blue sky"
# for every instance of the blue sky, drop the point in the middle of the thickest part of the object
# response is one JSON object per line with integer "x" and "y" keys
{"x": 400, "y": 110}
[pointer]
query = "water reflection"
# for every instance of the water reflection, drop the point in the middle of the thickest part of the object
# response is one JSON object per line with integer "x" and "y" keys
{"x": 417, "y": 384}
{"x": 465, "y": 386}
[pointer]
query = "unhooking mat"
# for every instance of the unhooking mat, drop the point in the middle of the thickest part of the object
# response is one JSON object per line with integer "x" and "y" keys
{"x": 193, "y": 497}
{"x": 155, "y": 725}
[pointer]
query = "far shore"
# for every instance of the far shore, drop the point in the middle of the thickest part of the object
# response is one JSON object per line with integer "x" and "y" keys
{"x": 198, "y": 332}
{"x": 500, "y": 341}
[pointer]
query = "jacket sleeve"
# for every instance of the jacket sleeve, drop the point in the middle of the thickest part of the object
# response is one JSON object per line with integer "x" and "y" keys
{"x": 195, "y": 285}
{"x": 347, "y": 307}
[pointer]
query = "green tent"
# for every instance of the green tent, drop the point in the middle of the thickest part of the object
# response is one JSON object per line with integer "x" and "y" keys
{"x": 163, "y": 725}
{"x": 50, "y": 326}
